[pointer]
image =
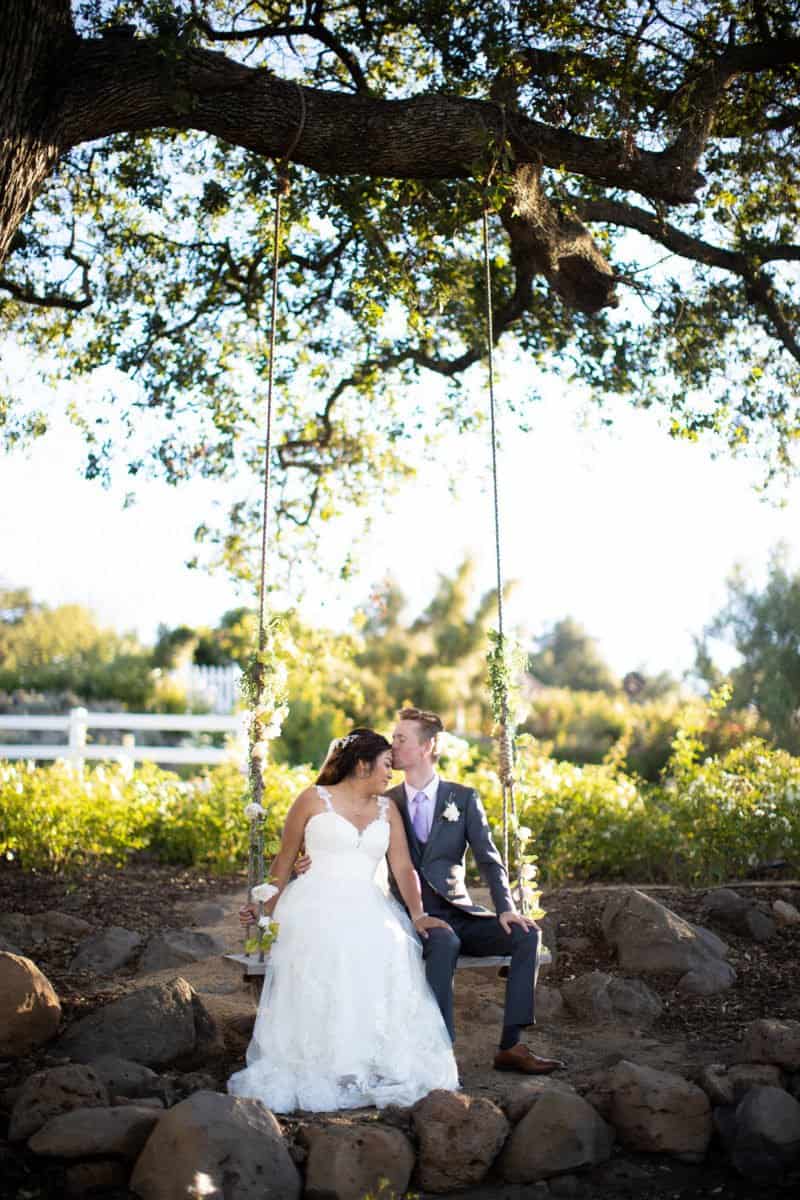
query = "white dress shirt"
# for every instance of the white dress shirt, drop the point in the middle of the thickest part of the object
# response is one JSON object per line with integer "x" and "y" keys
{"x": 430, "y": 790}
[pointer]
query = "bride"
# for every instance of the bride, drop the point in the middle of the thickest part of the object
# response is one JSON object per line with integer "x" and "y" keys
{"x": 346, "y": 1017}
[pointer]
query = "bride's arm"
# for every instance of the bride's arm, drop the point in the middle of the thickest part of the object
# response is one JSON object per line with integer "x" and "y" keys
{"x": 406, "y": 877}
{"x": 291, "y": 840}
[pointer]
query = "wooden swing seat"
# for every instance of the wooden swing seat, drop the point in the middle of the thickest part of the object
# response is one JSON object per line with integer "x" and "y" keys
{"x": 253, "y": 967}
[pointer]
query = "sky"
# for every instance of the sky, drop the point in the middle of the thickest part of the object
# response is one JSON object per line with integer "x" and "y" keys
{"x": 627, "y": 531}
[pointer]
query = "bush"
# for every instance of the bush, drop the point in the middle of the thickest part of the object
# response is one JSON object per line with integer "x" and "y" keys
{"x": 58, "y": 817}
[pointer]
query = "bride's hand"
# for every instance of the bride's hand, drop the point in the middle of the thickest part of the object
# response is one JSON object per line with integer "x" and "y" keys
{"x": 248, "y": 914}
{"x": 424, "y": 923}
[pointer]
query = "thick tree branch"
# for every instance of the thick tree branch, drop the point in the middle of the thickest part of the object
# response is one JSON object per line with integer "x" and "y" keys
{"x": 744, "y": 264}
{"x": 112, "y": 86}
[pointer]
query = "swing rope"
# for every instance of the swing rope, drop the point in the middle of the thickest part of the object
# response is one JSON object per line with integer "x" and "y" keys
{"x": 504, "y": 733}
{"x": 255, "y": 865}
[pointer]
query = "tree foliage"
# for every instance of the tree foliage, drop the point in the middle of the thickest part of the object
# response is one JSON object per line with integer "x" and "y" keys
{"x": 763, "y": 625}
{"x": 566, "y": 656}
{"x": 639, "y": 157}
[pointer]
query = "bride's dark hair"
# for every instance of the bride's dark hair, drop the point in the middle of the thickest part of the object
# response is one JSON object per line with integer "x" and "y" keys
{"x": 360, "y": 745}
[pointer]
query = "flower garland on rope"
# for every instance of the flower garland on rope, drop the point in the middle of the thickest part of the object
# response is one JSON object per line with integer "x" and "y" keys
{"x": 263, "y": 689}
{"x": 506, "y": 662}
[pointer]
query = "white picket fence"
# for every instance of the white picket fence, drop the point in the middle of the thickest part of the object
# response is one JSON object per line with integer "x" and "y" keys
{"x": 215, "y": 687}
{"x": 78, "y": 746}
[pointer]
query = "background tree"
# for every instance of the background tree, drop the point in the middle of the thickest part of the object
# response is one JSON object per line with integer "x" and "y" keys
{"x": 63, "y": 649}
{"x": 763, "y": 625}
{"x": 566, "y": 656}
{"x": 640, "y": 158}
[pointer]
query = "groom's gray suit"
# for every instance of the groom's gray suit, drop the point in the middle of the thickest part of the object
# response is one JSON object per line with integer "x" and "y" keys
{"x": 474, "y": 930}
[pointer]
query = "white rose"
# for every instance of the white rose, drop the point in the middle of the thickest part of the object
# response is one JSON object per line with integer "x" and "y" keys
{"x": 265, "y": 922}
{"x": 254, "y": 810}
{"x": 264, "y": 892}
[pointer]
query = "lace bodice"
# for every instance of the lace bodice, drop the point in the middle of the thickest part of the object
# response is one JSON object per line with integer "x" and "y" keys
{"x": 337, "y": 846}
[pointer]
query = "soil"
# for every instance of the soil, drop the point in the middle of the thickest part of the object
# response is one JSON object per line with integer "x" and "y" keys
{"x": 692, "y": 1031}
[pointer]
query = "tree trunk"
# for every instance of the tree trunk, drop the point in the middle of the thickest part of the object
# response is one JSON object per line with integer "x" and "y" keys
{"x": 35, "y": 33}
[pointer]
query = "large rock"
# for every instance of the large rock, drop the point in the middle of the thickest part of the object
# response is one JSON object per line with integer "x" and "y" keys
{"x": 176, "y": 947}
{"x": 154, "y": 1025}
{"x": 652, "y": 939}
{"x": 660, "y": 1112}
{"x": 349, "y": 1163}
{"x": 50, "y": 1093}
{"x": 598, "y": 997}
{"x": 772, "y": 1041}
{"x": 459, "y": 1138}
{"x": 560, "y": 1133}
{"x": 785, "y": 913}
{"x": 96, "y": 1177}
{"x": 727, "y": 1085}
{"x": 738, "y": 914}
{"x": 202, "y": 912}
{"x": 714, "y": 976}
{"x": 106, "y": 951}
{"x": 30, "y": 1010}
{"x": 86, "y": 1132}
{"x": 762, "y": 1134}
{"x": 229, "y": 1147}
{"x": 520, "y": 1094}
{"x": 27, "y": 930}
{"x": 124, "y": 1078}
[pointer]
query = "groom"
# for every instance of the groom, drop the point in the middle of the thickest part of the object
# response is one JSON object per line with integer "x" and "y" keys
{"x": 442, "y": 819}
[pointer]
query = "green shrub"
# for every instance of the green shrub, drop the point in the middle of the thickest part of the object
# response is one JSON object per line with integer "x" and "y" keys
{"x": 58, "y": 817}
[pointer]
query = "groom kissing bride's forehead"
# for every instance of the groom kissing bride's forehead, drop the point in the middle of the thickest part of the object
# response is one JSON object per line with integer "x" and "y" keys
{"x": 442, "y": 821}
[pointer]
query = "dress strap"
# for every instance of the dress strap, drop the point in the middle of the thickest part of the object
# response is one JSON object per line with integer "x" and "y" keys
{"x": 383, "y": 807}
{"x": 324, "y": 796}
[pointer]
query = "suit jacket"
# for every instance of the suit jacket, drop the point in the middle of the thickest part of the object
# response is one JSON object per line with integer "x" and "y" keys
{"x": 440, "y": 860}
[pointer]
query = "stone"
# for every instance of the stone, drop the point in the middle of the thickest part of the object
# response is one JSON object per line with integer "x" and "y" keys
{"x": 28, "y": 930}
{"x": 175, "y": 947}
{"x": 50, "y": 1093}
{"x": 30, "y": 1011}
{"x": 771, "y": 1041}
{"x": 349, "y": 1163}
{"x": 549, "y": 1004}
{"x": 125, "y": 1078}
{"x": 523, "y": 1093}
{"x": 727, "y": 1085}
{"x": 60, "y": 924}
{"x": 599, "y": 997}
{"x": 153, "y": 1025}
{"x": 86, "y": 1132}
{"x": 203, "y": 912}
{"x": 650, "y": 938}
{"x": 762, "y": 1134}
{"x": 742, "y": 916}
{"x": 459, "y": 1138}
{"x": 138, "y": 1101}
{"x": 96, "y": 1177}
{"x": 560, "y": 1133}
{"x": 744, "y": 1076}
{"x": 659, "y": 1112}
{"x": 217, "y": 1147}
{"x": 708, "y": 979}
{"x": 106, "y": 951}
{"x": 9, "y": 947}
{"x": 785, "y": 913}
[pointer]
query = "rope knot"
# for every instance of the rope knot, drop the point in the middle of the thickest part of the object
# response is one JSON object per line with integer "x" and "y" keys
{"x": 506, "y": 755}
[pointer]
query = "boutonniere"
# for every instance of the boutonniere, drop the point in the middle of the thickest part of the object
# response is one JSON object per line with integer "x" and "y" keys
{"x": 451, "y": 813}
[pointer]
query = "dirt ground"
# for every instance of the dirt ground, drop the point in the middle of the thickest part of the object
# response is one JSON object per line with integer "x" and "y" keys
{"x": 690, "y": 1033}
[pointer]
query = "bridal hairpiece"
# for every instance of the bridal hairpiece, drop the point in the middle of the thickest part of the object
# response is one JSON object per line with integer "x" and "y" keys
{"x": 343, "y": 742}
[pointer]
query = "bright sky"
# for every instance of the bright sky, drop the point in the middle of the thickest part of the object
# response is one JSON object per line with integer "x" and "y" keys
{"x": 625, "y": 530}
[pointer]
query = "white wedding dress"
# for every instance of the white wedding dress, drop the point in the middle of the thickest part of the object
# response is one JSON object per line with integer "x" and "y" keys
{"x": 346, "y": 1017}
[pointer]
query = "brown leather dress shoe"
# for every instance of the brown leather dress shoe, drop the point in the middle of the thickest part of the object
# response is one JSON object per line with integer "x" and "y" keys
{"x": 520, "y": 1058}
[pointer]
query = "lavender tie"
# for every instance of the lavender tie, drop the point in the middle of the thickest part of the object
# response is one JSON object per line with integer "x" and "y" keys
{"x": 420, "y": 820}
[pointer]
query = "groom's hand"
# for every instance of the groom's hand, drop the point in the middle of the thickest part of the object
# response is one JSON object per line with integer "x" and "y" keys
{"x": 302, "y": 864}
{"x": 509, "y": 919}
{"x": 423, "y": 924}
